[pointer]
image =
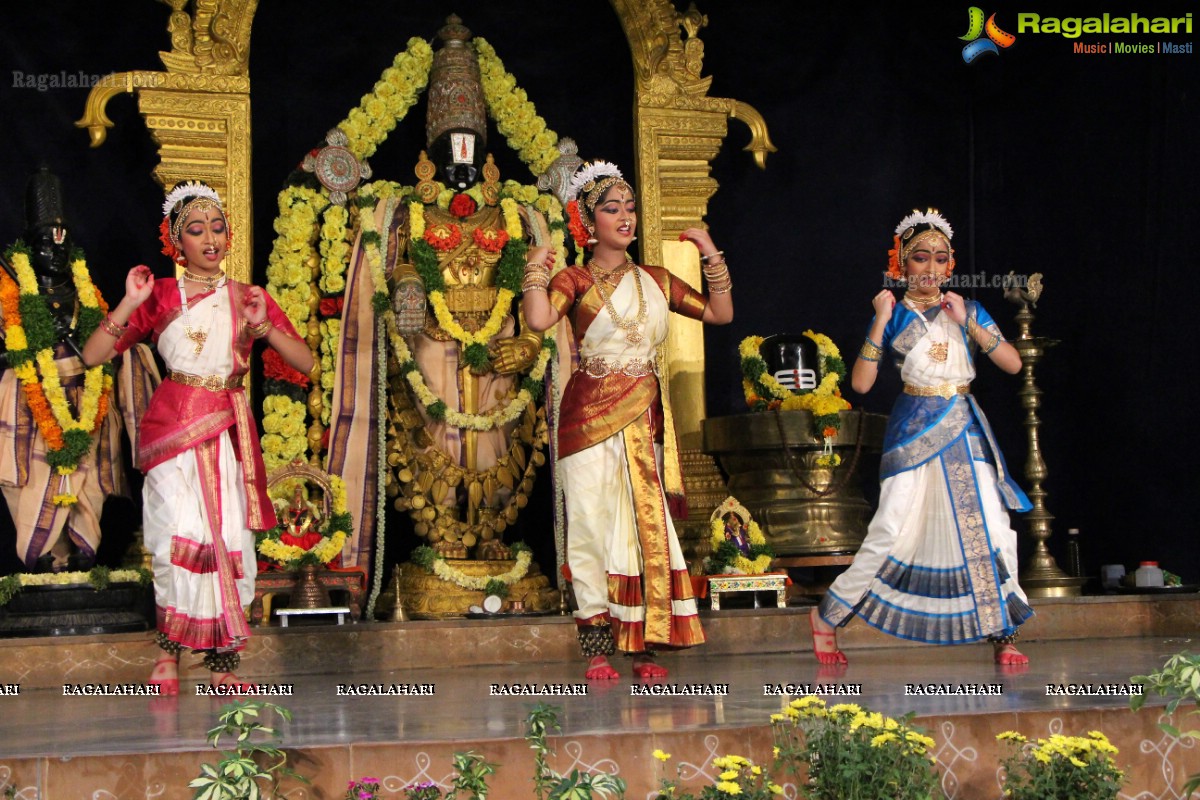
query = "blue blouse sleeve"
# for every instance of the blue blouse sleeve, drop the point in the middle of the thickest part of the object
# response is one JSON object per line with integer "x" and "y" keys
{"x": 894, "y": 326}
{"x": 985, "y": 320}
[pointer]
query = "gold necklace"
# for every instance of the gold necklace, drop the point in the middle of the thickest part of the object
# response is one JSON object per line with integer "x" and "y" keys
{"x": 210, "y": 283}
{"x": 630, "y": 326}
{"x": 197, "y": 336}
{"x": 922, "y": 301}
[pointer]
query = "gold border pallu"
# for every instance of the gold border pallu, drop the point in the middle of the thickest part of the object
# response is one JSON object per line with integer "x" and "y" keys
{"x": 660, "y": 585}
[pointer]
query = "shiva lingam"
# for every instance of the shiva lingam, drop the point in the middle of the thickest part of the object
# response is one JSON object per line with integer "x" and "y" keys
{"x": 1041, "y": 576}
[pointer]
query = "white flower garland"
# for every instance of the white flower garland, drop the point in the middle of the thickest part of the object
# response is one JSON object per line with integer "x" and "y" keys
{"x": 480, "y": 582}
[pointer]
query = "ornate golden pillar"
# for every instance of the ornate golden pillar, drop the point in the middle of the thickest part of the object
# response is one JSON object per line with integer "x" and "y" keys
{"x": 679, "y": 131}
{"x": 198, "y": 111}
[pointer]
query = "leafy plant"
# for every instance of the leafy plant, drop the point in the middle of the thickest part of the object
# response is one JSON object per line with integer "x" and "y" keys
{"x": 1179, "y": 679}
{"x": 473, "y": 771}
{"x": 256, "y": 757}
{"x": 850, "y": 753}
{"x": 1061, "y": 766}
{"x": 548, "y": 784}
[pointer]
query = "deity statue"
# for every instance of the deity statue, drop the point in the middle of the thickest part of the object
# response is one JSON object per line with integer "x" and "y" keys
{"x": 737, "y": 532}
{"x": 300, "y": 518}
{"x": 446, "y": 248}
{"x": 60, "y": 432}
{"x": 465, "y": 431}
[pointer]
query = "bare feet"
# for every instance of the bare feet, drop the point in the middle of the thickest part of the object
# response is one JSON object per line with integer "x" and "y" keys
{"x": 600, "y": 670}
{"x": 645, "y": 667}
{"x": 824, "y": 640}
{"x": 1007, "y": 655}
{"x": 165, "y": 676}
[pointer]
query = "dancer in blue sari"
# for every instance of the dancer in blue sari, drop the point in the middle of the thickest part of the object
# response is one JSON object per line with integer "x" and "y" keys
{"x": 939, "y": 563}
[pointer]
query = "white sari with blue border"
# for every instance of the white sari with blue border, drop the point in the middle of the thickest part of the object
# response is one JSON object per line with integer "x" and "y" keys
{"x": 939, "y": 563}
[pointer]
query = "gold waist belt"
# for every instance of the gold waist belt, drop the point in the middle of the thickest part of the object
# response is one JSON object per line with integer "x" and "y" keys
{"x": 471, "y": 299}
{"x": 946, "y": 390}
{"x": 214, "y": 383}
{"x": 597, "y": 367}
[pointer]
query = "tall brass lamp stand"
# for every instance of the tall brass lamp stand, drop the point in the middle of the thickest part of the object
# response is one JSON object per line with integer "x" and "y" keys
{"x": 1041, "y": 576}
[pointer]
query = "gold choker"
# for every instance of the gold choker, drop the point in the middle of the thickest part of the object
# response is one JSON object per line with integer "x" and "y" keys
{"x": 209, "y": 283}
{"x": 923, "y": 301}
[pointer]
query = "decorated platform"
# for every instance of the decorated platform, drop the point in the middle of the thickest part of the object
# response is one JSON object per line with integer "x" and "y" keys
{"x": 396, "y": 701}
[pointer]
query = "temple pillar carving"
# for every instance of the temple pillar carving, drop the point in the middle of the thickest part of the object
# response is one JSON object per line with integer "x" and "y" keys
{"x": 198, "y": 110}
{"x": 679, "y": 130}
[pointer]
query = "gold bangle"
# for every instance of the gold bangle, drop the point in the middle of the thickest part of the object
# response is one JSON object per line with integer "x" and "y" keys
{"x": 260, "y": 330}
{"x": 111, "y": 328}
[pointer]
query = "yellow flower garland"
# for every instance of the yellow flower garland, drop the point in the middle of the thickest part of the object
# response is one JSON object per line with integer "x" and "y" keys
{"x": 97, "y": 383}
{"x": 330, "y": 545}
{"x": 396, "y": 91}
{"x": 70, "y": 578}
{"x": 496, "y": 418}
{"x": 283, "y": 439}
{"x": 744, "y": 565}
{"x": 516, "y": 117}
{"x": 504, "y": 297}
{"x": 825, "y": 400}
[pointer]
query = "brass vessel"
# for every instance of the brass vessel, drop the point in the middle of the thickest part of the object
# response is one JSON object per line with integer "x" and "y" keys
{"x": 803, "y": 509}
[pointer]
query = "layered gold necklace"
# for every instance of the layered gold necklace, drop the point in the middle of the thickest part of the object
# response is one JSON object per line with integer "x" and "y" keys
{"x": 922, "y": 301}
{"x": 198, "y": 336}
{"x": 631, "y": 327}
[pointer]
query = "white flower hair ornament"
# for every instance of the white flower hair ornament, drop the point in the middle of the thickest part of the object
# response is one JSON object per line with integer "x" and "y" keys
{"x": 189, "y": 189}
{"x": 931, "y": 223}
{"x": 929, "y": 216}
{"x": 587, "y": 175}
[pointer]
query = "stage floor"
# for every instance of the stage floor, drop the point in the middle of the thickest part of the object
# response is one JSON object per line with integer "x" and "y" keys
{"x": 463, "y": 707}
{"x": 54, "y": 745}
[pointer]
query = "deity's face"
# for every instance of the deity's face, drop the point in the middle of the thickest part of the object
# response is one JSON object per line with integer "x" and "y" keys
{"x": 455, "y": 152}
{"x": 616, "y": 218}
{"x": 50, "y": 247}
{"x": 204, "y": 238}
{"x": 928, "y": 263}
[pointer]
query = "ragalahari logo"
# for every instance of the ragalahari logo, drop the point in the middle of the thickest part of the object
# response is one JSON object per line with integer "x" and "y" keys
{"x": 976, "y": 27}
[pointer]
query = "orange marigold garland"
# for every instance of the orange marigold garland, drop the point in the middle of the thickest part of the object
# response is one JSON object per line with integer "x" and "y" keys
{"x": 491, "y": 240}
{"x": 443, "y": 236}
{"x": 575, "y": 226}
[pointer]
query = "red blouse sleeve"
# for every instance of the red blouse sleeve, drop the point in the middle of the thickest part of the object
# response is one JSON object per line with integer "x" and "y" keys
{"x": 145, "y": 317}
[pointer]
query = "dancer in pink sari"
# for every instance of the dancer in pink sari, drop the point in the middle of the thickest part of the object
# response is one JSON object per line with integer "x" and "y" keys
{"x": 205, "y": 489}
